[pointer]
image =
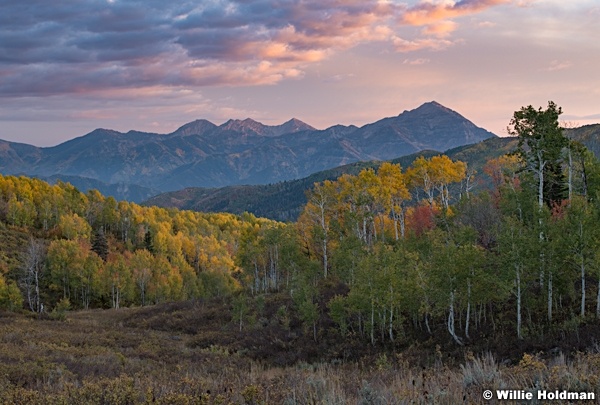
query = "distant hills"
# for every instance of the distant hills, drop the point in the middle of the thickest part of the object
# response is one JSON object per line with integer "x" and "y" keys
{"x": 136, "y": 165}
{"x": 284, "y": 201}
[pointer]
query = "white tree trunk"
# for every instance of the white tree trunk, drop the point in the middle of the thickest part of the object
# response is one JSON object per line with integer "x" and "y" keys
{"x": 550, "y": 296}
{"x": 324, "y": 228}
{"x": 540, "y": 170}
{"x": 598, "y": 301}
{"x": 402, "y": 223}
{"x": 372, "y": 322}
{"x": 451, "y": 328}
{"x": 518, "y": 281}
{"x": 582, "y": 287}
{"x": 468, "y": 317}
{"x": 427, "y": 319}
{"x": 570, "y": 166}
{"x": 391, "y": 330}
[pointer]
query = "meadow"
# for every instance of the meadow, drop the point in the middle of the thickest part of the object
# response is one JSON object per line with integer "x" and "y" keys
{"x": 193, "y": 353}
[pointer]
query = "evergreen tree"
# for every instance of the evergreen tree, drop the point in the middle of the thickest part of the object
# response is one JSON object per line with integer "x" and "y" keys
{"x": 148, "y": 242}
{"x": 541, "y": 142}
{"x": 100, "y": 244}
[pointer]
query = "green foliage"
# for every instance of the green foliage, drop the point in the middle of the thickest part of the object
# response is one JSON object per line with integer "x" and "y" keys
{"x": 283, "y": 317}
{"x": 100, "y": 244}
{"x": 308, "y": 311}
{"x": 339, "y": 313}
{"x": 59, "y": 312}
{"x": 541, "y": 142}
{"x": 10, "y": 295}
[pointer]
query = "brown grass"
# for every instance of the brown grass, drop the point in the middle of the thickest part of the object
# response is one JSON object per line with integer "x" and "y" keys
{"x": 190, "y": 353}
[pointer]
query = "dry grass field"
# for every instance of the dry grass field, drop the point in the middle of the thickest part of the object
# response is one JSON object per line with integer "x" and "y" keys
{"x": 193, "y": 353}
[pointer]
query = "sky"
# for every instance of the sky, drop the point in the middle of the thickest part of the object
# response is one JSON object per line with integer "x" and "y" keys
{"x": 68, "y": 67}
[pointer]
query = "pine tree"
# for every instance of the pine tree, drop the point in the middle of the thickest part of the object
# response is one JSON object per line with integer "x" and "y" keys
{"x": 148, "y": 242}
{"x": 100, "y": 244}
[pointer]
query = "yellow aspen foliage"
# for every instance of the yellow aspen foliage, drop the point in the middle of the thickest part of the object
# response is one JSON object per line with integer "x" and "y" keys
{"x": 73, "y": 227}
{"x": 433, "y": 176}
{"x": 394, "y": 193}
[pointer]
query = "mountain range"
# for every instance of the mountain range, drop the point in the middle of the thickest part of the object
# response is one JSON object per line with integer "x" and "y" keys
{"x": 136, "y": 165}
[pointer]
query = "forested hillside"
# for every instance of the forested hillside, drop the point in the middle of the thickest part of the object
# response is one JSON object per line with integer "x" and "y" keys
{"x": 62, "y": 247}
{"x": 283, "y": 201}
{"x": 384, "y": 255}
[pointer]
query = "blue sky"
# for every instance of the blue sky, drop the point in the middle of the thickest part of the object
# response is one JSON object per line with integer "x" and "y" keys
{"x": 68, "y": 67}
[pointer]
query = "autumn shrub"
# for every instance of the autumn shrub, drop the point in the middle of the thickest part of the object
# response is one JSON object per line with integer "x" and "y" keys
{"x": 59, "y": 312}
{"x": 531, "y": 370}
{"x": 481, "y": 372}
{"x": 369, "y": 396}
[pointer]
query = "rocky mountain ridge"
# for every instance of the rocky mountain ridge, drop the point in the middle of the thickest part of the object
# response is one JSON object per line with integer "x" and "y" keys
{"x": 202, "y": 154}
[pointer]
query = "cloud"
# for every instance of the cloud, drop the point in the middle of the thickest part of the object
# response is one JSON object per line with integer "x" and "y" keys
{"x": 436, "y": 44}
{"x": 49, "y": 48}
{"x": 486, "y": 24}
{"x": 339, "y": 78}
{"x": 587, "y": 117}
{"x": 556, "y": 65}
{"x": 418, "y": 61}
{"x": 427, "y": 13}
{"x": 440, "y": 29}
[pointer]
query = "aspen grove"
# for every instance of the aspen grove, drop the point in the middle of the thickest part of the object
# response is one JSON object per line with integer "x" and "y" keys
{"x": 386, "y": 255}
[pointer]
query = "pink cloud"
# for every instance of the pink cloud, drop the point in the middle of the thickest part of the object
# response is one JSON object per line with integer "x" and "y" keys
{"x": 486, "y": 24}
{"x": 403, "y": 45}
{"x": 430, "y": 13}
{"x": 440, "y": 29}
{"x": 556, "y": 65}
{"x": 92, "y": 46}
{"x": 418, "y": 61}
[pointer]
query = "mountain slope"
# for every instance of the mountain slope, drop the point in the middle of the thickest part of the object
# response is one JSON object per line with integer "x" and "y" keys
{"x": 201, "y": 153}
{"x": 119, "y": 191}
{"x": 15, "y": 157}
{"x": 284, "y": 201}
{"x": 431, "y": 126}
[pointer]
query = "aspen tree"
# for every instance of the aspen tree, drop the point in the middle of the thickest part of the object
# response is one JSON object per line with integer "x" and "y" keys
{"x": 394, "y": 190}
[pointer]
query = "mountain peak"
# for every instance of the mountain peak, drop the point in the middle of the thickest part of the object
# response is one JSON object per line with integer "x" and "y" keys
{"x": 197, "y": 127}
{"x": 245, "y": 125}
{"x": 294, "y": 121}
{"x": 102, "y": 131}
{"x": 434, "y": 109}
{"x": 432, "y": 106}
{"x": 293, "y": 125}
{"x": 249, "y": 125}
